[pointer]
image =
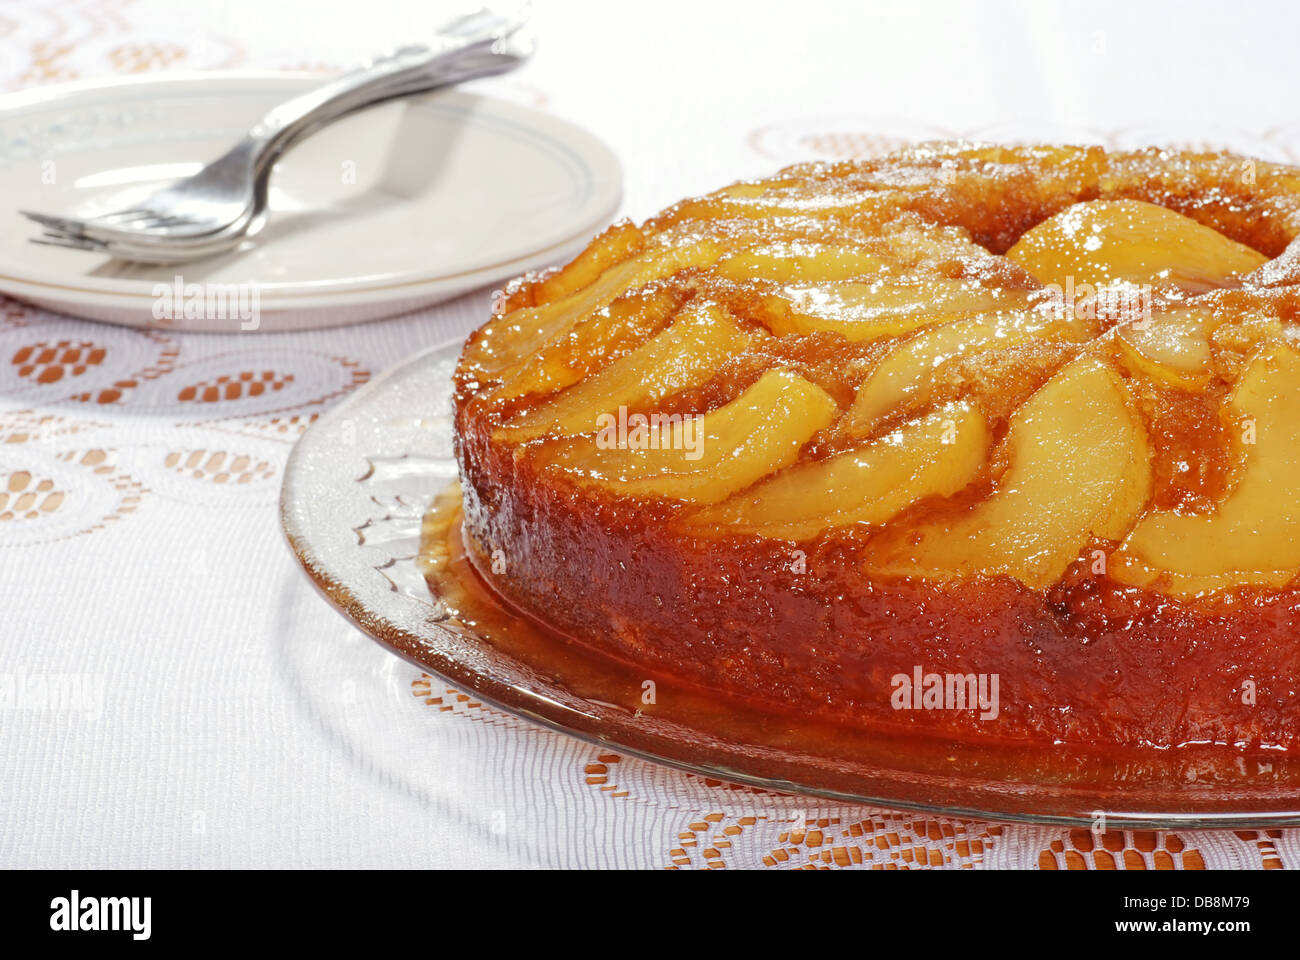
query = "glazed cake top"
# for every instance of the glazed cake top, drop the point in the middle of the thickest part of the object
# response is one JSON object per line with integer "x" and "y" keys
{"x": 966, "y": 359}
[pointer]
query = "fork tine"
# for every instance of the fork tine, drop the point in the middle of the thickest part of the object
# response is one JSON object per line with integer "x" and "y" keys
{"x": 157, "y": 221}
{"x": 60, "y": 235}
{"x": 139, "y": 219}
{"x": 51, "y": 222}
{"x": 134, "y": 228}
{"x": 70, "y": 242}
{"x": 174, "y": 221}
{"x": 124, "y": 216}
{"x": 150, "y": 222}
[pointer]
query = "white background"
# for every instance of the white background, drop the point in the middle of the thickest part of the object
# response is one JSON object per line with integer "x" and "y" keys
{"x": 236, "y": 720}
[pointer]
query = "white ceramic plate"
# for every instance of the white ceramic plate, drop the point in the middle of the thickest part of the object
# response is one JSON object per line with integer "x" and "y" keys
{"x": 388, "y": 210}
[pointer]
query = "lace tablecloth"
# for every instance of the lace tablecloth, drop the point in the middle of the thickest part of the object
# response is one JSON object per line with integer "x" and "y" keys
{"x": 172, "y": 690}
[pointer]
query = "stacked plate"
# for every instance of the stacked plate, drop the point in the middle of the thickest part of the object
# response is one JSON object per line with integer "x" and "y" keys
{"x": 386, "y": 211}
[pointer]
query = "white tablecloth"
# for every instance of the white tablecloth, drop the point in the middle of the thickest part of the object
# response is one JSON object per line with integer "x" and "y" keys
{"x": 172, "y": 690}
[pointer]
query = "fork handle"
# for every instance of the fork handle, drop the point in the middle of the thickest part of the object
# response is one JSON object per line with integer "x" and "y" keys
{"x": 473, "y": 46}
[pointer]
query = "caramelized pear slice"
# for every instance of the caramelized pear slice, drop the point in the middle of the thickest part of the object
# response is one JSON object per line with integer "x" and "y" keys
{"x": 685, "y": 354}
{"x": 1103, "y": 241}
{"x": 939, "y": 249}
{"x": 514, "y": 338}
{"x": 906, "y": 373}
{"x": 703, "y": 458}
{"x": 932, "y": 457}
{"x": 885, "y": 307}
{"x": 1253, "y": 537}
{"x": 1080, "y": 467}
{"x": 802, "y": 261}
{"x": 593, "y": 342}
{"x": 620, "y": 241}
{"x": 773, "y": 199}
{"x": 1172, "y": 347}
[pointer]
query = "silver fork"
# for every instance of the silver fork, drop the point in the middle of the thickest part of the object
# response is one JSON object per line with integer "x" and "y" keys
{"x": 216, "y": 208}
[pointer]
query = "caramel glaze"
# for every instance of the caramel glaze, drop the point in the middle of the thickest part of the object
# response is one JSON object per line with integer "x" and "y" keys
{"x": 1088, "y": 661}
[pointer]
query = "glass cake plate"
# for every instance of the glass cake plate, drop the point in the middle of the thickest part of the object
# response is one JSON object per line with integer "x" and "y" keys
{"x": 371, "y": 509}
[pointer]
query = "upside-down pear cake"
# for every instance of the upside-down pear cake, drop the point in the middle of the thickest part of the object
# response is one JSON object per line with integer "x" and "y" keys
{"x": 1030, "y": 413}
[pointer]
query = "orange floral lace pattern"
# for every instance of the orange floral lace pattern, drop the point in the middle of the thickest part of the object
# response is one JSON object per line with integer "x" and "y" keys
{"x": 752, "y": 833}
{"x": 192, "y": 425}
